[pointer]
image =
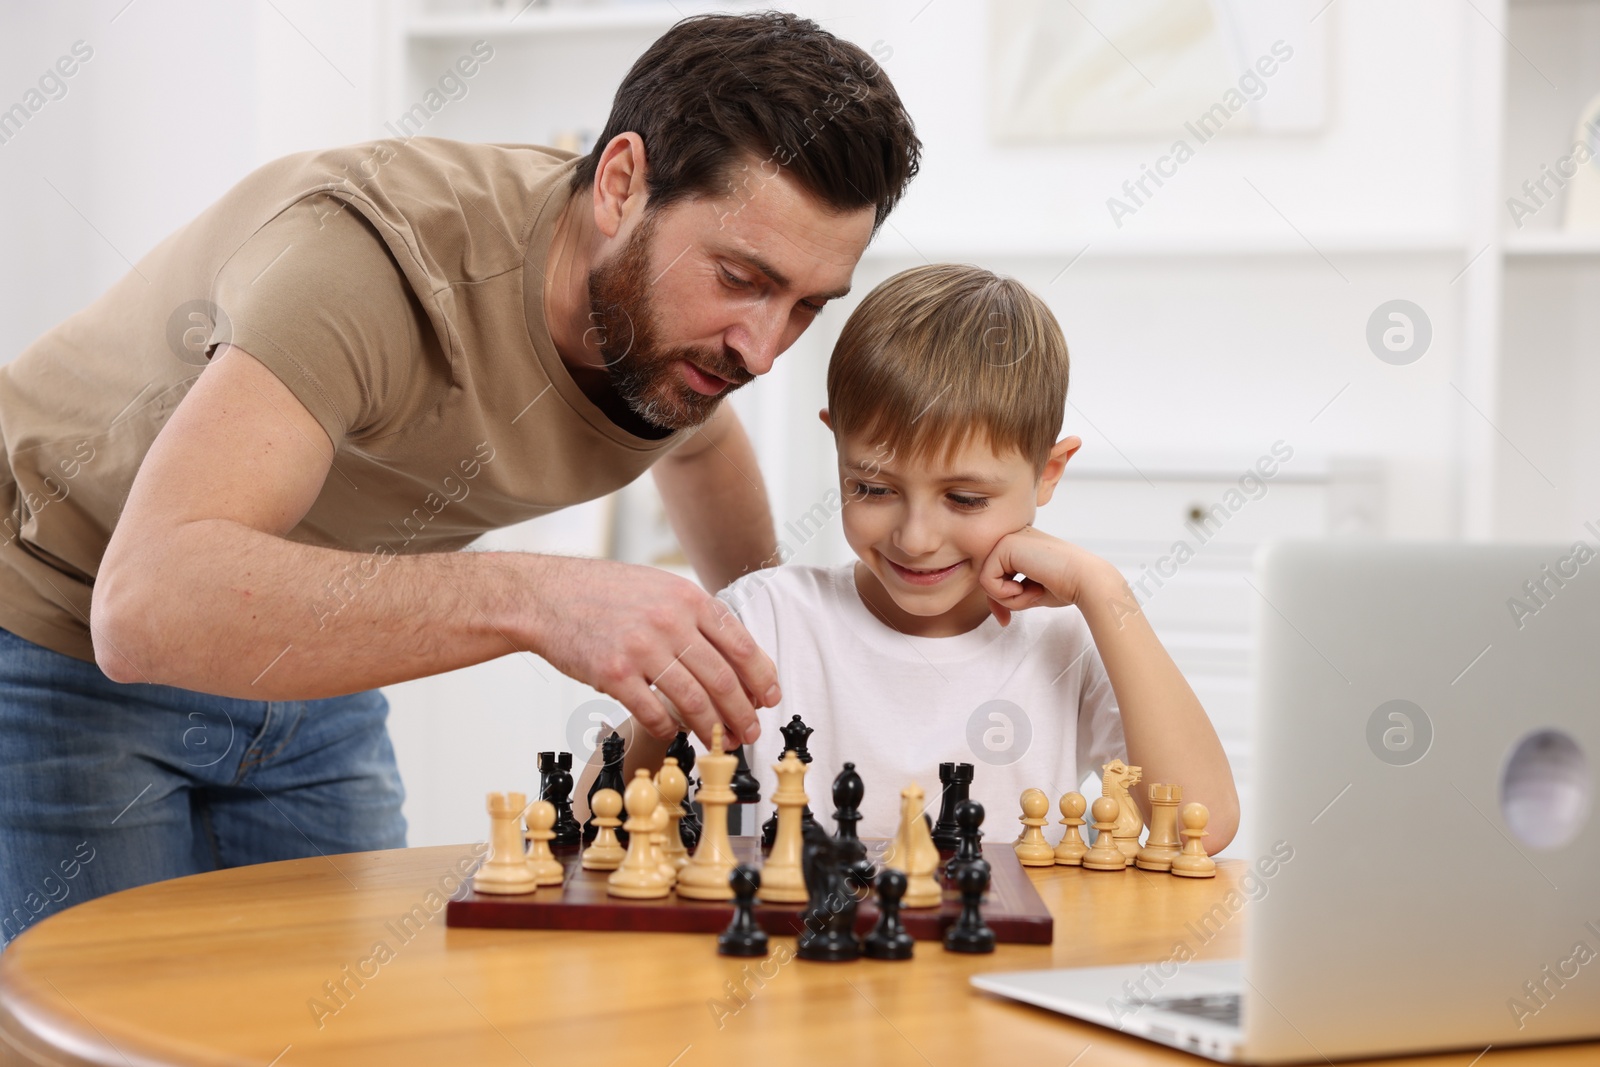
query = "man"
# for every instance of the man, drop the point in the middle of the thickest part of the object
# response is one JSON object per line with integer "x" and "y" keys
{"x": 236, "y": 483}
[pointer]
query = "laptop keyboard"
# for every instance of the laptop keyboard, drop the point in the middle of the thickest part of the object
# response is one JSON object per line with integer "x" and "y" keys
{"x": 1218, "y": 1007}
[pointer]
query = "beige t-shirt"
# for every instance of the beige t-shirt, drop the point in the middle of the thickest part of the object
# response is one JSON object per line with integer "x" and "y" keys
{"x": 396, "y": 287}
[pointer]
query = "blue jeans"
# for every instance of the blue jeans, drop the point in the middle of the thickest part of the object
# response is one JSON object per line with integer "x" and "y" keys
{"x": 105, "y": 785}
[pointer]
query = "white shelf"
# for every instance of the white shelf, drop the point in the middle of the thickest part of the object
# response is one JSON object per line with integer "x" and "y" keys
{"x": 536, "y": 21}
{"x": 1553, "y": 243}
{"x": 890, "y": 245}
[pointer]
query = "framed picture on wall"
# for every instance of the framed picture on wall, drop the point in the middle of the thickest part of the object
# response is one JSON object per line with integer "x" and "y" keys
{"x": 1186, "y": 69}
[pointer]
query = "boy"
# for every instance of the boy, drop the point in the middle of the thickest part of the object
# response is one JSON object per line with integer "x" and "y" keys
{"x": 945, "y": 395}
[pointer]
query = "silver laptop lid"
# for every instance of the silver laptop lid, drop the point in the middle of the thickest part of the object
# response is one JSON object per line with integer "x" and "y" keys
{"x": 1427, "y": 736}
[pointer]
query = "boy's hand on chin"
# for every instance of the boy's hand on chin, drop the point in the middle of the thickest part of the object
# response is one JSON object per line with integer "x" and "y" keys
{"x": 1054, "y": 572}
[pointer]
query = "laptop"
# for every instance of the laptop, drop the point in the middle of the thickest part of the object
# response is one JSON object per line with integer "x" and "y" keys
{"x": 1427, "y": 733}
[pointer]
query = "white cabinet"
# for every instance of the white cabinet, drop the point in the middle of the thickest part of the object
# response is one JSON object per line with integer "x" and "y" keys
{"x": 1185, "y": 540}
{"x": 1545, "y": 473}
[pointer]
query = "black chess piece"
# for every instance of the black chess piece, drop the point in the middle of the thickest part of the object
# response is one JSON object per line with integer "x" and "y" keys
{"x": 888, "y": 939}
{"x": 744, "y": 936}
{"x": 769, "y": 829}
{"x": 970, "y": 933}
{"x": 955, "y": 780}
{"x": 847, "y": 793}
{"x": 547, "y": 763}
{"x": 682, "y": 751}
{"x": 830, "y": 913}
{"x": 610, "y": 777}
{"x": 969, "y": 851}
{"x": 795, "y": 735}
{"x": 689, "y": 825}
{"x": 746, "y": 790}
{"x": 944, "y": 829}
{"x": 559, "y": 793}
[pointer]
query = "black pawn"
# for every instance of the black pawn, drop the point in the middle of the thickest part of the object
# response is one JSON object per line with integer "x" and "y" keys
{"x": 568, "y": 832}
{"x": 889, "y": 940}
{"x": 969, "y": 850}
{"x": 689, "y": 825}
{"x": 743, "y": 937}
{"x": 610, "y": 777}
{"x": 970, "y": 933}
{"x": 847, "y": 793}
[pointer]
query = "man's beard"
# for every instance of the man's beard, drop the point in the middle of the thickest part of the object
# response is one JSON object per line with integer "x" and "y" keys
{"x": 643, "y": 373}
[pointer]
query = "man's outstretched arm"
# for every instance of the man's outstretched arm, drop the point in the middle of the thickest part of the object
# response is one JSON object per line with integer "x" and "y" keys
{"x": 200, "y": 589}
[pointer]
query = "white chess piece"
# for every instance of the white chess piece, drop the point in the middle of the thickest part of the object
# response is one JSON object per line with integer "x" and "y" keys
{"x": 506, "y": 871}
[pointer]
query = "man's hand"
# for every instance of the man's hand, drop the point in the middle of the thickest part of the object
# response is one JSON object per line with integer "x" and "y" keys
{"x": 629, "y": 630}
{"x": 1054, "y": 572}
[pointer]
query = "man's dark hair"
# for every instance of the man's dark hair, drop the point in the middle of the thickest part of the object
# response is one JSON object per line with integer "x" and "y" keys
{"x": 717, "y": 88}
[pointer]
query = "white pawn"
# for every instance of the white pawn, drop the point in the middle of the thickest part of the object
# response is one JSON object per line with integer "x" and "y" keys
{"x": 658, "y": 844}
{"x": 639, "y": 877}
{"x": 1070, "y": 852}
{"x": 541, "y": 831}
{"x": 1104, "y": 855}
{"x": 1032, "y": 849}
{"x": 606, "y": 852}
{"x": 672, "y": 783}
{"x": 1193, "y": 862}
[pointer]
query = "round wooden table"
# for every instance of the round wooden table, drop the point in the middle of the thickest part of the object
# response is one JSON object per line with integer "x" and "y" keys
{"x": 346, "y": 960}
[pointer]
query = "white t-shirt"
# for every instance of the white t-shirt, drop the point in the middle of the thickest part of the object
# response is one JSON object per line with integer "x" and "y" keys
{"x": 1027, "y": 704}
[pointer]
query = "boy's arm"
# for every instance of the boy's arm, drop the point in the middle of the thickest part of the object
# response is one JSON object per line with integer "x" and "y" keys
{"x": 1168, "y": 733}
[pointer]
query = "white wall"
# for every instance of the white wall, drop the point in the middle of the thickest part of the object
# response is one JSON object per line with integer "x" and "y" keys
{"x": 157, "y": 123}
{"x": 1215, "y": 321}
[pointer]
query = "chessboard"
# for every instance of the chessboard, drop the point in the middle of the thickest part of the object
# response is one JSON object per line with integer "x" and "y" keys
{"x": 1012, "y": 907}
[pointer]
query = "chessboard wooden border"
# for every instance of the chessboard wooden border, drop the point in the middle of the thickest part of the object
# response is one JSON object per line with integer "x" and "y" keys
{"x": 1012, "y": 907}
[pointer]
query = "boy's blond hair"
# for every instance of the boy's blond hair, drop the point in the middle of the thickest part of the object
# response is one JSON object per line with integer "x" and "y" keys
{"x": 940, "y": 355}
